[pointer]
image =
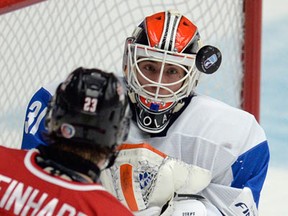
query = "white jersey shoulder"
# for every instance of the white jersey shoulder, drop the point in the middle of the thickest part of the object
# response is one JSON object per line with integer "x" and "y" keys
{"x": 217, "y": 122}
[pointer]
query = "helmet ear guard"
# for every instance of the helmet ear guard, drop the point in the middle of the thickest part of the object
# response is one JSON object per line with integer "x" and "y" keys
{"x": 208, "y": 59}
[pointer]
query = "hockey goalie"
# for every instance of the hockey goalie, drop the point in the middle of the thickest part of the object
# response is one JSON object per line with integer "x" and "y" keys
{"x": 150, "y": 183}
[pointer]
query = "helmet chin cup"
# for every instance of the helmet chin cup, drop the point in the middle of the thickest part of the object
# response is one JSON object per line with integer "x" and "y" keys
{"x": 208, "y": 59}
{"x": 152, "y": 121}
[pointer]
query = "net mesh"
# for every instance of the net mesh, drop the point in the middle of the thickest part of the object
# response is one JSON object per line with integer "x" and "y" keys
{"x": 42, "y": 43}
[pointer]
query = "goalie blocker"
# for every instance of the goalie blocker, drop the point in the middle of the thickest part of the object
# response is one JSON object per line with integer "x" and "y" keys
{"x": 146, "y": 180}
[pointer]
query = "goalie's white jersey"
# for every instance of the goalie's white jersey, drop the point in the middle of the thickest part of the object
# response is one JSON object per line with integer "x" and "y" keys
{"x": 227, "y": 141}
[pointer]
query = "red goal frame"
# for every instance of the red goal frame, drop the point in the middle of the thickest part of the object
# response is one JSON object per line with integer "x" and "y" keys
{"x": 252, "y": 57}
{"x": 11, "y": 5}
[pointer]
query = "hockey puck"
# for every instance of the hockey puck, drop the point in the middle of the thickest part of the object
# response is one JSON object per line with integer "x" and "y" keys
{"x": 208, "y": 59}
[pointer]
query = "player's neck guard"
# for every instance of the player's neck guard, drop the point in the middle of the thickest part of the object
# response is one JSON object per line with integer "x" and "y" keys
{"x": 67, "y": 163}
{"x": 155, "y": 121}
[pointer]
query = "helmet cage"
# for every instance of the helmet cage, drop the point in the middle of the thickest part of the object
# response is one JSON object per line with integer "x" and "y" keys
{"x": 167, "y": 38}
{"x": 138, "y": 53}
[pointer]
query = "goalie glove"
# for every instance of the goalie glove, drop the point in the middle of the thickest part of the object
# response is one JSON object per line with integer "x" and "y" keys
{"x": 143, "y": 177}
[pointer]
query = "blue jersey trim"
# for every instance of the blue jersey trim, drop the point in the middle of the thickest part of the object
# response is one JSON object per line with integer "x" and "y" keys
{"x": 36, "y": 109}
{"x": 250, "y": 169}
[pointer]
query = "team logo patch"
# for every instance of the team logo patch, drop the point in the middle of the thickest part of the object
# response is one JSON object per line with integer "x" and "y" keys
{"x": 67, "y": 130}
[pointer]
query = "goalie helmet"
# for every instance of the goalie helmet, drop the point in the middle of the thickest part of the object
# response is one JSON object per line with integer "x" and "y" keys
{"x": 165, "y": 38}
{"x": 89, "y": 107}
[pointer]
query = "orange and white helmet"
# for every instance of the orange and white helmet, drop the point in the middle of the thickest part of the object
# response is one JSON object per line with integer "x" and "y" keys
{"x": 169, "y": 38}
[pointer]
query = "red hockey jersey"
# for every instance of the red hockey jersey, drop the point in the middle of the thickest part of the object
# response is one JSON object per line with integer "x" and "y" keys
{"x": 25, "y": 189}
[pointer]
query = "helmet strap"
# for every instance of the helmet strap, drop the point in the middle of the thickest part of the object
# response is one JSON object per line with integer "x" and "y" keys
{"x": 111, "y": 160}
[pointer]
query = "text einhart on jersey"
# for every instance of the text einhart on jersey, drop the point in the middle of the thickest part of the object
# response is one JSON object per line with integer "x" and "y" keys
{"x": 31, "y": 201}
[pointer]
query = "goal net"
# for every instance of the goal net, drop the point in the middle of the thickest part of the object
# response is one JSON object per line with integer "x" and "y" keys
{"x": 42, "y": 42}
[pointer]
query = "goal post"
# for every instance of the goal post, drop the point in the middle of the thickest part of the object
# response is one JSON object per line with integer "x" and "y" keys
{"x": 44, "y": 40}
{"x": 252, "y": 57}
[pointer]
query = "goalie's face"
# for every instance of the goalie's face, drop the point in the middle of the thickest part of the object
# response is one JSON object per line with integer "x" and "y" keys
{"x": 158, "y": 75}
{"x": 159, "y": 78}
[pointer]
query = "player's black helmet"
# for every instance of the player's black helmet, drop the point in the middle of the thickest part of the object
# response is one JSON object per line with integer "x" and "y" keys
{"x": 89, "y": 107}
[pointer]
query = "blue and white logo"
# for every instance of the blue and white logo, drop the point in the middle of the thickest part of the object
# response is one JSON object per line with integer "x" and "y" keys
{"x": 210, "y": 61}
